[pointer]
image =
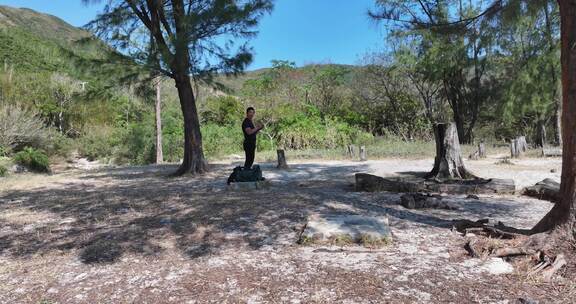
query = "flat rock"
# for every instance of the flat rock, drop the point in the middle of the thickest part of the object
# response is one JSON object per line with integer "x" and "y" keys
{"x": 497, "y": 266}
{"x": 347, "y": 229}
{"x": 249, "y": 186}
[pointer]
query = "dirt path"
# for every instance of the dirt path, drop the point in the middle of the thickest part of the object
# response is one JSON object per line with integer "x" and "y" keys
{"x": 189, "y": 240}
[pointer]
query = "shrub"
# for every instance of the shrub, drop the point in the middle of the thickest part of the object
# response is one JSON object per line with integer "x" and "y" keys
{"x": 60, "y": 145}
{"x": 3, "y": 151}
{"x": 20, "y": 128}
{"x": 3, "y": 171}
{"x": 221, "y": 140}
{"x": 34, "y": 160}
{"x": 98, "y": 143}
{"x": 137, "y": 145}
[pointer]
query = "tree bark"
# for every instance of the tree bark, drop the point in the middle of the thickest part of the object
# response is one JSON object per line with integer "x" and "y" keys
{"x": 514, "y": 151}
{"x": 363, "y": 156}
{"x": 448, "y": 163}
{"x": 564, "y": 211}
{"x": 194, "y": 161}
{"x": 482, "y": 150}
{"x": 159, "y": 152}
{"x": 282, "y": 164}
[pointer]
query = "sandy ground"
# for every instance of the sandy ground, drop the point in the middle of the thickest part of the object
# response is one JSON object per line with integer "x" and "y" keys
{"x": 190, "y": 240}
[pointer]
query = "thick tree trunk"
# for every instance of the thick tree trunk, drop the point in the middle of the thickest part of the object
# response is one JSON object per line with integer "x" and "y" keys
{"x": 558, "y": 122}
{"x": 159, "y": 153}
{"x": 460, "y": 128}
{"x": 565, "y": 210}
{"x": 194, "y": 161}
{"x": 448, "y": 163}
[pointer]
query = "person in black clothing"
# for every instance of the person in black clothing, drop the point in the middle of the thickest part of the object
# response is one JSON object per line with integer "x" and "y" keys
{"x": 250, "y": 132}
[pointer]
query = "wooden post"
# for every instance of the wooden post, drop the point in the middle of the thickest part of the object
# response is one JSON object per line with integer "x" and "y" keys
{"x": 481, "y": 149}
{"x": 281, "y": 160}
{"x": 363, "y": 153}
{"x": 159, "y": 152}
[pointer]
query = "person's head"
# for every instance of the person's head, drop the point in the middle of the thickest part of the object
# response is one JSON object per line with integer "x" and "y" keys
{"x": 250, "y": 112}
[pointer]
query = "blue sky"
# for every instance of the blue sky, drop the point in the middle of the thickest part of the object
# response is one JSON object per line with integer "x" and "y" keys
{"x": 303, "y": 31}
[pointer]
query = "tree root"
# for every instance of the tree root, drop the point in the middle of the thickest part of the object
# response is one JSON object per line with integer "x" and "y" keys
{"x": 498, "y": 240}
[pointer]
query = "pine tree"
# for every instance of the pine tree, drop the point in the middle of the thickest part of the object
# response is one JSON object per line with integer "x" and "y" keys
{"x": 187, "y": 37}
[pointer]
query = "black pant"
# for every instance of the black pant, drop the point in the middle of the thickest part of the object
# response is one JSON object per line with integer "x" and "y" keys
{"x": 250, "y": 150}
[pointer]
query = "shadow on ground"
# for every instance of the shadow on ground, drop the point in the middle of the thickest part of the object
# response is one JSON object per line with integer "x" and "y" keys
{"x": 105, "y": 214}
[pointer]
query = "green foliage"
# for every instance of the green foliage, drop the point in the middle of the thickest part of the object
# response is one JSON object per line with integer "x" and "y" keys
{"x": 3, "y": 171}
{"x": 59, "y": 145}
{"x": 222, "y": 140}
{"x": 3, "y": 151}
{"x": 98, "y": 143}
{"x": 222, "y": 110}
{"x": 34, "y": 160}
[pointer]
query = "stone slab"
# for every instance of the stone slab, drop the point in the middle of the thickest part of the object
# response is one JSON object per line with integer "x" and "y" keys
{"x": 347, "y": 229}
{"x": 249, "y": 186}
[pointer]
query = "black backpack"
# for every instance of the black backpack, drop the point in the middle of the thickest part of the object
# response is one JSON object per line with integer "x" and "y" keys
{"x": 241, "y": 174}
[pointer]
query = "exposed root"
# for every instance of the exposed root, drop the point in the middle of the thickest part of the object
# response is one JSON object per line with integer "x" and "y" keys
{"x": 549, "y": 272}
{"x": 488, "y": 228}
{"x": 498, "y": 240}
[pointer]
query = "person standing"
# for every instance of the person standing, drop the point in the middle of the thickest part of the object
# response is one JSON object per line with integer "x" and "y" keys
{"x": 250, "y": 131}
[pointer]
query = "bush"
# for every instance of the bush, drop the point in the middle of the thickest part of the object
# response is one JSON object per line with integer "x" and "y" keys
{"x": 98, "y": 143}
{"x": 221, "y": 140}
{"x": 20, "y": 128}
{"x": 3, "y": 151}
{"x": 60, "y": 145}
{"x": 3, "y": 171}
{"x": 34, "y": 160}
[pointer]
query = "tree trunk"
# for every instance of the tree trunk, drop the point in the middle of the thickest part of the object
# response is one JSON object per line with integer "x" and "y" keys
{"x": 559, "y": 125}
{"x": 514, "y": 151}
{"x": 541, "y": 134}
{"x": 282, "y": 164}
{"x": 565, "y": 210}
{"x": 448, "y": 163}
{"x": 351, "y": 151}
{"x": 194, "y": 161}
{"x": 159, "y": 153}
{"x": 460, "y": 128}
{"x": 363, "y": 156}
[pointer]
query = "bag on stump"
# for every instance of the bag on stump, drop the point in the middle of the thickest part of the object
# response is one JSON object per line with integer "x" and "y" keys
{"x": 241, "y": 174}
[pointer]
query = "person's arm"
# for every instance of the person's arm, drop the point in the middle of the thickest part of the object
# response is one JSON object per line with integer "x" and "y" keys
{"x": 251, "y": 131}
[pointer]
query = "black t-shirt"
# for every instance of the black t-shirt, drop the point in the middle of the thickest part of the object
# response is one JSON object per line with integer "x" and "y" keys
{"x": 248, "y": 139}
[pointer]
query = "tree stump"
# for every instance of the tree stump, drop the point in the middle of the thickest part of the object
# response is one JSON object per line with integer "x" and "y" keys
{"x": 518, "y": 147}
{"x": 514, "y": 151}
{"x": 448, "y": 163}
{"x": 281, "y": 160}
{"x": 522, "y": 144}
{"x": 363, "y": 153}
{"x": 481, "y": 150}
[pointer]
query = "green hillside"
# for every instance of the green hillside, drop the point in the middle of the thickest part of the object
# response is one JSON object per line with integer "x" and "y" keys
{"x": 33, "y": 42}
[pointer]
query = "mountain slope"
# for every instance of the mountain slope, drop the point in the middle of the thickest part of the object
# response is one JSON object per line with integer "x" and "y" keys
{"x": 33, "y": 42}
{"x": 43, "y": 25}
